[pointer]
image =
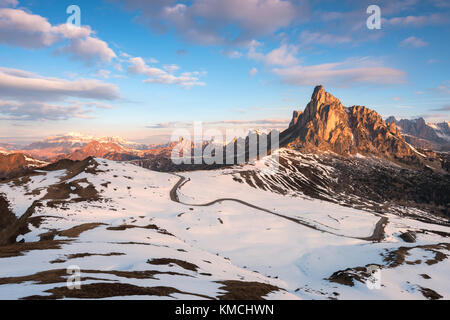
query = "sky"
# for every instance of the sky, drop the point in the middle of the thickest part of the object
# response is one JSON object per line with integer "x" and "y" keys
{"x": 139, "y": 69}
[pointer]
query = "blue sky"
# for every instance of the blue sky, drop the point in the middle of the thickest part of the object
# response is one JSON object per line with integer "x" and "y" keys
{"x": 139, "y": 68}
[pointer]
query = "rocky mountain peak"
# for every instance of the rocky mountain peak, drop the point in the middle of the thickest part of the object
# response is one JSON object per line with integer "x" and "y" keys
{"x": 319, "y": 100}
{"x": 327, "y": 125}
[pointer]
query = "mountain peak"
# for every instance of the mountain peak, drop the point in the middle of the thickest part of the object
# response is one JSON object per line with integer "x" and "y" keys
{"x": 327, "y": 125}
{"x": 318, "y": 91}
{"x": 320, "y": 95}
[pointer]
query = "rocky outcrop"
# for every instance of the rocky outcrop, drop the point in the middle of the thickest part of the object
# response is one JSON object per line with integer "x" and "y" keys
{"x": 295, "y": 117}
{"x": 13, "y": 163}
{"x": 327, "y": 125}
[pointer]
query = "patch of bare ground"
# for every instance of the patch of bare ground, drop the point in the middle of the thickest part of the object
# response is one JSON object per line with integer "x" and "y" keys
{"x": 145, "y": 274}
{"x": 166, "y": 261}
{"x": 392, "y": 259}
{"x": 241, "y": 290}
{"x": 37, "y": 220}
{"x": 60, "y": 276}
{"x": 74, "y": 168}
{"x": 408, "y": 237}
{"x": 348, "y": 276}
{"x": 14, "y": 227}
{"x": 84, "y": 255}
{"x": 398, "y": 257}
{"x": 73, "y": 232}
{"x": 430, "y": 294}
{"x": 44, "y": 277}
{"x": 7, "y": 219}
{"x": 150, "y": 227}
{"x": 18, "y": 249}
{"x": 109, "y": 290}
{"x": 58, "y": 194}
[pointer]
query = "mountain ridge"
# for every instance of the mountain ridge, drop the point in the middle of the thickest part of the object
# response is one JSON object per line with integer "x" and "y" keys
{"x": 328, "y": 126}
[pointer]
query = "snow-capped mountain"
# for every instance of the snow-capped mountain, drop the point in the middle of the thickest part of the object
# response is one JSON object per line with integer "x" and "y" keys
{"x": 422, "y": 134}
{"x": 57, "y": 147}
{"x": 78, "y": 140}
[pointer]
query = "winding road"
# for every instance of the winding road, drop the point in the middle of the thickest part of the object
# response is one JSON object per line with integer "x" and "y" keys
{"x": 377, "y": 234}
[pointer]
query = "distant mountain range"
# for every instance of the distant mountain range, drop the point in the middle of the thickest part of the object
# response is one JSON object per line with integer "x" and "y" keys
{"x": 434, "y": 136}
{"x": 325, "y": 125}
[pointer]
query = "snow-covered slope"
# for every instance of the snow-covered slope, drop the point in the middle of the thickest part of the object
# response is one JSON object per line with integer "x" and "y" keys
{"x": 204, "y": 235}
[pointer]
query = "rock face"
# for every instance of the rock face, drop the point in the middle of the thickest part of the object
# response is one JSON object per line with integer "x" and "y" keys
{"x": 327, "y": 125}
{"x": 16, "y": 162}
{"x": 435, "y": 136}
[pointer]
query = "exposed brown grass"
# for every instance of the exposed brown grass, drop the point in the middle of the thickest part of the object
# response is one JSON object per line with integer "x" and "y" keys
{"x": 241, "y": 290}
{"x": 108, "y": 290}
{"x": 166, "y": 261}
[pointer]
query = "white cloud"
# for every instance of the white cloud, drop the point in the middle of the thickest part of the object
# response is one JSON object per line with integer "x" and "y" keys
{"x": 417, "y": 21}
{"x": 307, "y": 38}
{"x": 232, "y": 54}
{"x": 33, "y": 111}
{"x": 8, "y": 3}
{"x": 206, "y": 21}
{"x": 273, "y": 123}
{"x": 413, "y": 42}
{"x": 444, "y": 88}
{"x": 171, "y": 68}
{"x": 253, "y": 71}
{"x": 23, "y": 85}
{"x": 27, "y": 30}
{"x": 89, "y": 50}
{"x": 349, "y": 72}
{"x": 282, "y": 56}
{"x": 103, "y": 73}
{"x": 137, "y": 65}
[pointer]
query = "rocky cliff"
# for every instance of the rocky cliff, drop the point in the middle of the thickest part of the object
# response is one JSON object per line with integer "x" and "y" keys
{"x": 327, "y": 125}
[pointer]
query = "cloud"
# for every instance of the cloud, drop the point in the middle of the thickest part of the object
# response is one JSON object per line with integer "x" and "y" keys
{"x": 282, "y": 56}
{"x": 37, "y": 98}
{"x": 443, "y": 88}
{"x": 253, "y": 71}
{"x": 417, "y": 21}
{"x": 349, "y": 72}
{"x": 307, "y": 38}
{"x": 260, "y": 122}
{"x": 169, "y": 125}
{"x": 103, "y": 73}
{"x": 34, "y": 111}
{"x": 413, "y": 42}
{"x": 208, "y": 21}
{"x": 441, "y": 3}
{"x": 181, "y": 52}
{"x": 232, "y": 54}
{"x": 24, "y": 85}
{"x": 444, "y": 108}
{"x": 434, "y": 117}
{"x": 269, "y": 122}
{"x": 137, "y": 65}
{"x": 89, "y": 50}
{"x": 27, "y": 30}
{"x": 171, "y": 68}
{"x": 8, "y": 3}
